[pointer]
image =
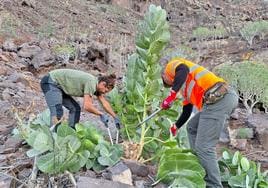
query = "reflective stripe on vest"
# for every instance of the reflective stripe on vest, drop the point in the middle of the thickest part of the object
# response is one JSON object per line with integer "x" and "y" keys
{"x": 192, "y": 82}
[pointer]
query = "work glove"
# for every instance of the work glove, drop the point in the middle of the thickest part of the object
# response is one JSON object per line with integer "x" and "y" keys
{"x": 105, "y": 119}
{"x": 166, "y": 104}
{"x": 173, "y": 130}
{"x": 117, "y": 123}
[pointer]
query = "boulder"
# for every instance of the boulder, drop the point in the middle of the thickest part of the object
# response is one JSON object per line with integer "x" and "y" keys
{"x": 121, "y": 173}
{"x": 10, "y": 46}
{"x": 85, "y": 182}
{"x": 43, "y": 58}
{"x": 263, "y": 137}
{"x": 240, "y": 144}
{"x": 137, "y": 168}
{"x": 259, "y": 122}
{"x": 28, "y": 51}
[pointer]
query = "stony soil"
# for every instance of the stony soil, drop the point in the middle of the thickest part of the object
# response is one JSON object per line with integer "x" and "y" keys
{"x": 102, "y": 34}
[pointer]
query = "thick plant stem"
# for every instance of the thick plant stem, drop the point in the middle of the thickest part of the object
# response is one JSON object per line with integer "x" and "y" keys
{"x": 142, "y": 128}
{"x": 34, "y": 174}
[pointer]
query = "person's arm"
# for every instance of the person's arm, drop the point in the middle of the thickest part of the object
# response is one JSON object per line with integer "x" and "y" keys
{"x": 181, "y": 73}
{"x": 88, "y": 105}
{"x": 186, "y": 113}
{"x": 106, "y": 105}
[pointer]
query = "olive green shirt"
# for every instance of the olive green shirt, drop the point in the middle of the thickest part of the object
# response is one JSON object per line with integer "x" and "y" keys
{"x": 74, "y": 82}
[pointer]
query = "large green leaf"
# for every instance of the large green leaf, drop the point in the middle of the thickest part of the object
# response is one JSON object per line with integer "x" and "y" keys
{"x": 41, "y": 142}
{"x": 48, "y": 163}
{"x": 180, "y": 167}
{"x": 43, "y": 118}
{"x": 34, "y": 152}
{"x": 65, "y": 130}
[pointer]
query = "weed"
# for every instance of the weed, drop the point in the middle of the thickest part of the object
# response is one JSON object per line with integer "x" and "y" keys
{"x": 8, "y": 25}
{"x": 46, "y": 31}
{"x": 204, "y": 33}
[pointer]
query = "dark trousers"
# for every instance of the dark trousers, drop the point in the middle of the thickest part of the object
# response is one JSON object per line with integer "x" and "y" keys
{"x": 56, "y": 98}
{"x": 204, "y": 131}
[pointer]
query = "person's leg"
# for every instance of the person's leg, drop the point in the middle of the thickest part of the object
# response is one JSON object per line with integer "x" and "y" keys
{"x": 210, "y": 125}
{"x": 208, "y": 132}
{"x": 225, "y": 136}
{"x": 192, "y": 129}
{"x": 53, "y": 97}
{"x": 74, "y": 109}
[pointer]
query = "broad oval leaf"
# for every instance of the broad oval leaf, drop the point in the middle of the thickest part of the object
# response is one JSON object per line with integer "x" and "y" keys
{"x": 33, "y": 153}
{"x": 225, "y": 155}
{"x": 65, "y": 130}
{"x": 235, "y": 158}
{"x": 41, "y": 142}
{"x": 244, "y": 164}
{"x": 105, "y": 161}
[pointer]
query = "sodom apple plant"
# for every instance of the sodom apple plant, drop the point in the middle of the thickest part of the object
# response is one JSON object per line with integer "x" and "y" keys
{"x": 142, "y": 92}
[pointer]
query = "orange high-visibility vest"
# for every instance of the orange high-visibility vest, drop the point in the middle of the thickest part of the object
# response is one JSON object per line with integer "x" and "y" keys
{"x": 198, "y": 81}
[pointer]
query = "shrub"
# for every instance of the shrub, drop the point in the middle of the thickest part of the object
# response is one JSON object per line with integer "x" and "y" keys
{"x": 204, "y": 33}
{"x": 252, "y": 29}
{"x": 250, "y": 79}
{"x": 141, "y": 95}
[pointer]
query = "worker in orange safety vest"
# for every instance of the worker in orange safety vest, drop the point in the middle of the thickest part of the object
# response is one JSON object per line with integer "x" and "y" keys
{"x": 214, "y": 99}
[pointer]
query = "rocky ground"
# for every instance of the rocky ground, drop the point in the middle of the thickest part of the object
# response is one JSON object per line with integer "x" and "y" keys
{"x": 98, "y": 36}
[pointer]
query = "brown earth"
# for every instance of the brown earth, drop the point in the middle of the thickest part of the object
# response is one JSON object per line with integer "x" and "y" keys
{"x": 106, "y": 29}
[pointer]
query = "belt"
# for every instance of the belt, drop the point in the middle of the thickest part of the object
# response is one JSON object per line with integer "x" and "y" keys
{"x": 215, "y": 93}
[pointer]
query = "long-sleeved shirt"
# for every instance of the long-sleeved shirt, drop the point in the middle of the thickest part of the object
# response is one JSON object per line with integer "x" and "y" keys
{"x": 181, "y": 73}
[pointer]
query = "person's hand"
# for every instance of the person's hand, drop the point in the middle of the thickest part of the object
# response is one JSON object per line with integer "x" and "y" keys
{"x": 117, "y": 123}
{"x": 173, "y": 130}
{"x": 166, "y": 104}
{"x": 105, "y": 119}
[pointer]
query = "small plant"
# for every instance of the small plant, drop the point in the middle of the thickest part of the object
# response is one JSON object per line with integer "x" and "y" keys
{"x": 64, "y": 51}
{"x": 181, "y": 51}
{"x": 253, "y": 29}
{"x": 250, "y": 79}
{"x": 204, "y": 33}
{"x": 8, "y": 25}
{"x": 245, "y": 133}
{"x": 46, "y": 31}
{"x": 238, "y": 171}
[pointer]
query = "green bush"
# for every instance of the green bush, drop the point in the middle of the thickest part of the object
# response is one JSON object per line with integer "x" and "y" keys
{"x": 252, "y": 29}
{"x": 250, "y": 79}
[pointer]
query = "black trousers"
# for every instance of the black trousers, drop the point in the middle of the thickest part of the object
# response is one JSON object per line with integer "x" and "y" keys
{"x": 56, "y": 98}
